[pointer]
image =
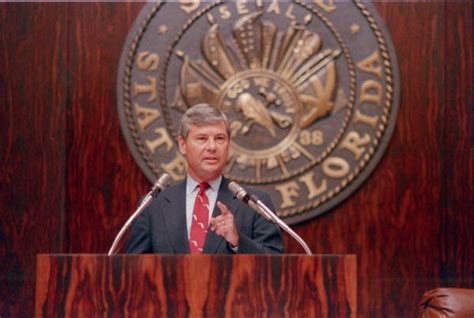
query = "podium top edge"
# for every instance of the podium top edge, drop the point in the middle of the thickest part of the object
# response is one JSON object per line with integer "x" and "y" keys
{"x": 189, "y": 255}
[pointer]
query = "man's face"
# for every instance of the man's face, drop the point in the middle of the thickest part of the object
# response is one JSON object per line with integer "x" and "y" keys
{"x": 206, "y": 149}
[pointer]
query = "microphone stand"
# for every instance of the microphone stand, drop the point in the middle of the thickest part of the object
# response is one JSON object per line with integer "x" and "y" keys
{"x": 265, "y": 211}
{"x": 145, "y": 202}
{"x": 159, "y": 185}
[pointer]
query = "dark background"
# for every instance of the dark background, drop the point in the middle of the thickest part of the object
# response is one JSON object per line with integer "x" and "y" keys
{"x": 68, "y": 180}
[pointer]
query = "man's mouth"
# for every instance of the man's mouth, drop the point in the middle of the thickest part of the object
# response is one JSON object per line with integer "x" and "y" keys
{"x": 211, "y": 159}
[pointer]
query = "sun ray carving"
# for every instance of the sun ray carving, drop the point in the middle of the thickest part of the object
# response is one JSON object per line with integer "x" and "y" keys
{"x": 295, "y": 55}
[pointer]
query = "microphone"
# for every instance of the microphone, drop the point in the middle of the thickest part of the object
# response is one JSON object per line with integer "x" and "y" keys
{"x": 160, "y": 184}
{"x": 163, "y": 181}
{"x": 254, "y": 202}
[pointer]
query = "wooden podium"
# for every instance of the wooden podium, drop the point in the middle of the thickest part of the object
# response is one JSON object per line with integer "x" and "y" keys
{"x": 196, "y": 286}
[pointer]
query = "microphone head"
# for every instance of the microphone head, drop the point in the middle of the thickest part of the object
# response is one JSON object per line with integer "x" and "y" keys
{"x": 237, "y": 190}
{"x": 163, "y": 181}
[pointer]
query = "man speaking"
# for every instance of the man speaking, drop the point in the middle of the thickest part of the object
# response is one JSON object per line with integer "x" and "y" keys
{"x": 200, "y": 214}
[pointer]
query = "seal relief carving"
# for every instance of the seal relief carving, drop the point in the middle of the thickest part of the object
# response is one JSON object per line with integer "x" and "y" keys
{"x": 310, "y": 89}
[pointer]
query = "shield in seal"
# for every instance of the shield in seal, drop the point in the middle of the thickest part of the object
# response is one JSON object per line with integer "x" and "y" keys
{"x": 311, "y": 90}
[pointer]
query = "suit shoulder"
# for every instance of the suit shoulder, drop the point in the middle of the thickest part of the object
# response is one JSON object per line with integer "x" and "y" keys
{"x": 173, "y": 190}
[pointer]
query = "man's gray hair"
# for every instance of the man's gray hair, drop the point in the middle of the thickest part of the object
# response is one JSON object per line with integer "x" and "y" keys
{"x": 201, "y": 115}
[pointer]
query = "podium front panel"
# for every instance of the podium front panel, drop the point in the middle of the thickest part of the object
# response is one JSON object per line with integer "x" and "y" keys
{"x": 196, "y": 286}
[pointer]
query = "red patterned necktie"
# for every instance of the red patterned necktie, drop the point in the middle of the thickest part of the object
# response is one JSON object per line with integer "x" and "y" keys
{"x": 200, "y": 220}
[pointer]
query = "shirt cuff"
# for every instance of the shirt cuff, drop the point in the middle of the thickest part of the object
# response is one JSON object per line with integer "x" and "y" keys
{"x": 234, "y": 249}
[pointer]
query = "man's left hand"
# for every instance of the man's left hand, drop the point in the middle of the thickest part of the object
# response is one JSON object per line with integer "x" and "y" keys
{"x": 224, "y": 225}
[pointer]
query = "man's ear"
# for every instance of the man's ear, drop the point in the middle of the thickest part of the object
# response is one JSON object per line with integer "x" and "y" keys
{"x": 182, "y": 145}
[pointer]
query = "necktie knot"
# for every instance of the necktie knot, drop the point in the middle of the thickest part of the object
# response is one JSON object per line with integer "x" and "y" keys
{"x": 203, "y": 186}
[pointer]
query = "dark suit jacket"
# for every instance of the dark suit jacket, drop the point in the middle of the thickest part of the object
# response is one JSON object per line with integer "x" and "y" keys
{"x": 161, "y": 228}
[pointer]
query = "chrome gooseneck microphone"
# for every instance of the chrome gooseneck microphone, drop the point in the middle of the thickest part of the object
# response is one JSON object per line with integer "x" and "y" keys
{"x": 162, "y": 182}
{"x": 254, "y": 202}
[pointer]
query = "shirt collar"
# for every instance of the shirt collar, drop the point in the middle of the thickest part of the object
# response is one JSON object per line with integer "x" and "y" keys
{"x": 191, "y": 184}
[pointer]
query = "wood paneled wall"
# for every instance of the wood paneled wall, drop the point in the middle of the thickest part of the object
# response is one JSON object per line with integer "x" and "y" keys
{"x": 68, "y": 181}
{"x": 33, "y": 102}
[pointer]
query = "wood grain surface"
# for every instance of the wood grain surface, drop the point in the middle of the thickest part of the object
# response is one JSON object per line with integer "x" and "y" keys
{"x": 68, "y": 180}
{"x": 33, "y": 97}
{"x": 196, "y": 286}
{"x": 103, "y": 183}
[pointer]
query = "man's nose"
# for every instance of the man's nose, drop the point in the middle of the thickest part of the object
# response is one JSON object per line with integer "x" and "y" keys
{"x": 211, "y": 144}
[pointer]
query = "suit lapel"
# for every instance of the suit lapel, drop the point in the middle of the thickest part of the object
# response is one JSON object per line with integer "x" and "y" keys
{"x": 214, "y": 241}
{"x": 175, "y": 218}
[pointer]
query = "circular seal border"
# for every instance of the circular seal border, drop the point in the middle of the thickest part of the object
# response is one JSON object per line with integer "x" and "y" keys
{"x": 341, "y": 192}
